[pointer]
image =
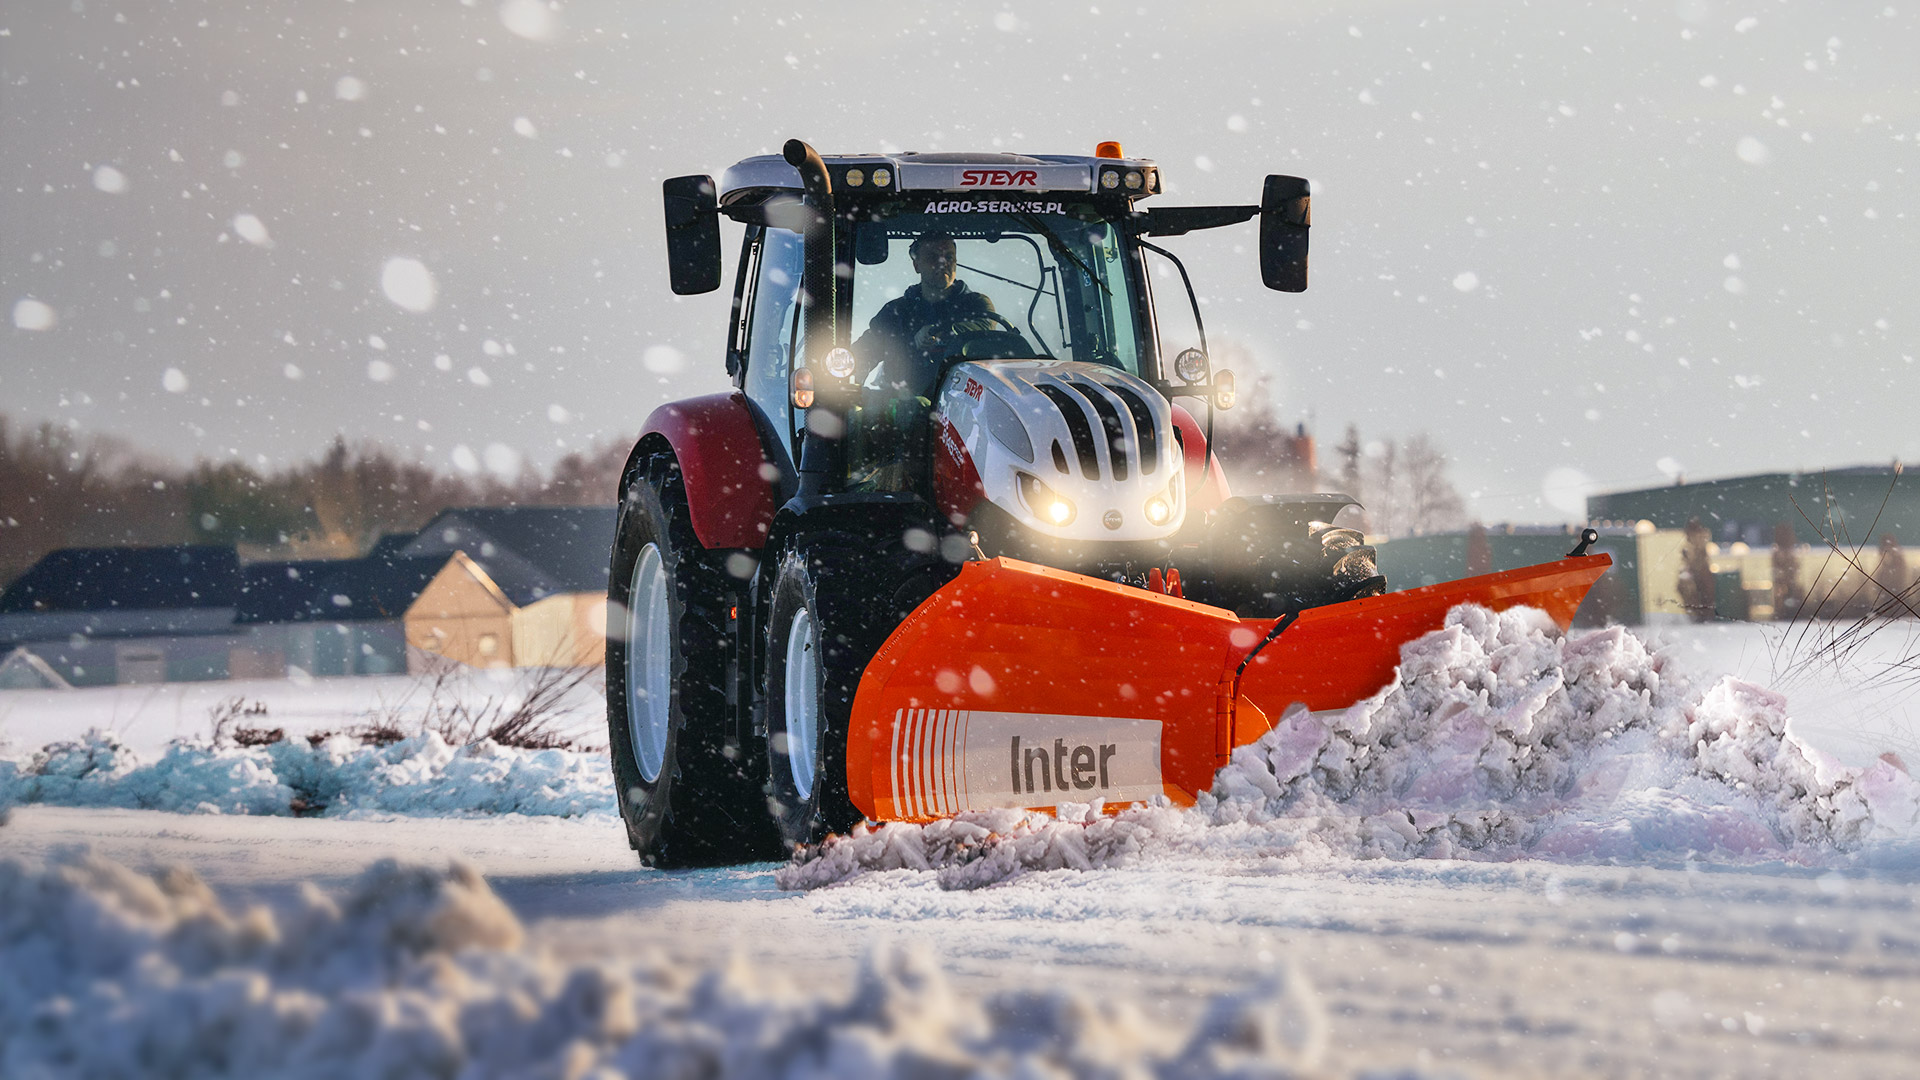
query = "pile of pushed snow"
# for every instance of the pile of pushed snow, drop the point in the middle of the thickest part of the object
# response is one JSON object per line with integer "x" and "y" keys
{"x": 415, "y": 972}
{"x": 421, "y": 775}
{"x": 1500, "y": 738}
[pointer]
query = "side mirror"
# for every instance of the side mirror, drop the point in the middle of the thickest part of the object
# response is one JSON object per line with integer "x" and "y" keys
{"x": 693, "y": 234}
{"x": 1286, "y": 213}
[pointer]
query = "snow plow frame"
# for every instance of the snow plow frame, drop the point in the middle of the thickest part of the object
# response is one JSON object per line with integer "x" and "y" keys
{"x": 1019, "y": 685}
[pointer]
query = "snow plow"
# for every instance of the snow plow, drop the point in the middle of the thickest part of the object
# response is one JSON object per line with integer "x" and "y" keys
{"x": 958, "y": 539}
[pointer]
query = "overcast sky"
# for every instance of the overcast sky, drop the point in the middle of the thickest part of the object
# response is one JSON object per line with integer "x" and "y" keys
{"x": 1602, "y": 242}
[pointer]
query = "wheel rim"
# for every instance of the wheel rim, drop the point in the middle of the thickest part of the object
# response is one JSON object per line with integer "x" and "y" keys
{"x": 649, "y": 663}
{"x": 803, "y": 702}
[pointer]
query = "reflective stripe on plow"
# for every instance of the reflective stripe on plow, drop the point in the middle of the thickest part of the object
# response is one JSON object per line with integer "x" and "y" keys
{"x": 923, "y": 766}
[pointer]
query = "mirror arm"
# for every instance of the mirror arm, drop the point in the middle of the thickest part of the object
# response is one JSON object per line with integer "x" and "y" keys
{"x": 1180, "y": 220}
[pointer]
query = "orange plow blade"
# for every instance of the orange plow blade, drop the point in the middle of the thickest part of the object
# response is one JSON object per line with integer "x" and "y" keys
{"x": 1019, "y": 685}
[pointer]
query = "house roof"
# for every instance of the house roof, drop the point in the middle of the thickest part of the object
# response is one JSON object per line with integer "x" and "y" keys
{"x": 380, "y": 586}
{"x": 21, "y": 670}
{"x": 127, "y": 578}
{"x": 390, "y": 544}
{"x": 531, "y": 552}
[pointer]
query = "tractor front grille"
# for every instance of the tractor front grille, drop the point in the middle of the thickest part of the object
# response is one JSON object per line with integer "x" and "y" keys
{"x": 1099, "y": 413}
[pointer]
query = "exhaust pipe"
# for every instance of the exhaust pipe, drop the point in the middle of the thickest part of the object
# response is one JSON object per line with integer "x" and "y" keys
{"x": 822, "y": 457}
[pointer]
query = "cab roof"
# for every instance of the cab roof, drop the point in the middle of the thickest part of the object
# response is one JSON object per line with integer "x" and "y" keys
{"x": 946, "y": 172}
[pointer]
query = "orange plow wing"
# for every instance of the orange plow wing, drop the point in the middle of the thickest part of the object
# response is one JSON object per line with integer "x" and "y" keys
{"x": 1019, "y": 685}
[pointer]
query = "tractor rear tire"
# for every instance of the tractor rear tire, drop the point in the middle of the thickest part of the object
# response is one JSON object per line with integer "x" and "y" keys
{"x": 686, "y": 797}
{"x": 826, "y": 620}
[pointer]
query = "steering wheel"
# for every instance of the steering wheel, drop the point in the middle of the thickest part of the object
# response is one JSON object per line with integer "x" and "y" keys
{"x": 975, "y": 344}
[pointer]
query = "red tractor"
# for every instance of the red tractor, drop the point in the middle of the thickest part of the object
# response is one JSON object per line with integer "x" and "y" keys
{"x": 957, "y": 538}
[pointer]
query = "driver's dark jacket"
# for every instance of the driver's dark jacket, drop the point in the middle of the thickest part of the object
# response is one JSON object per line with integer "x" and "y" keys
{"x": 895, "y": 325}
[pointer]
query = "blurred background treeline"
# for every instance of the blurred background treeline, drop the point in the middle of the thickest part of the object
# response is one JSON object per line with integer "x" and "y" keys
{"x": 62, "y": 489}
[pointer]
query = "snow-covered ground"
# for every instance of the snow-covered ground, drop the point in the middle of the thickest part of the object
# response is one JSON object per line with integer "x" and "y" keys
{"x": 1451, "y": 968}
{"x": 147, "y": 718}
{"x": 1538, "y": 857}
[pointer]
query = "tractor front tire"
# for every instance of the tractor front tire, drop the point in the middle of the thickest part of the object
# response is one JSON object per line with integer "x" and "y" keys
{"x": 686, "y": 797}
{"x": 822, "y": 628}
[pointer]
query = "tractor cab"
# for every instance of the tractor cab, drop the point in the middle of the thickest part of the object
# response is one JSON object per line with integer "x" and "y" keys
{"x": 978, "y": 330}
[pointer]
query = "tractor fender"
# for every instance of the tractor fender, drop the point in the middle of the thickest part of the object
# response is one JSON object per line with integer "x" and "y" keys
{"x": 730, "y": 484}
{"x": 1206, "y": 480}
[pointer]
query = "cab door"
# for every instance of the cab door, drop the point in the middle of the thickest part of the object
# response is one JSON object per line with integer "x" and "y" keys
{"x": 773, "y": 335}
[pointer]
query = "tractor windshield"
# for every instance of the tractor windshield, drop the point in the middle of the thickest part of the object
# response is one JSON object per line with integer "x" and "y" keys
{"x": 1029, "y": 280}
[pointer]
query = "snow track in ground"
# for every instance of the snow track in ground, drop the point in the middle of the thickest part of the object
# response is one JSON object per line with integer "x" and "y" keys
{"x": 1501, "y": 739}
{"x": 418, "y": 972}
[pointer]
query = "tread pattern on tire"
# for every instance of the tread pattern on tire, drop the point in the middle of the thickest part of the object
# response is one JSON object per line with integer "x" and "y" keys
{"x": 833, "y": 574}
{"x": 712, "y": 807}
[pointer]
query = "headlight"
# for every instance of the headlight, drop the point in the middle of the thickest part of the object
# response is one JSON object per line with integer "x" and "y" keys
{"x": 839, "y": 363}
{"x": 1047, "y": 506}
{"x": 1191, "y": 366}
{"x": 1159, "y": 508}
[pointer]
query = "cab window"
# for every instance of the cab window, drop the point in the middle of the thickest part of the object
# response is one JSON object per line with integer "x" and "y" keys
{"x": 774, "y": 327}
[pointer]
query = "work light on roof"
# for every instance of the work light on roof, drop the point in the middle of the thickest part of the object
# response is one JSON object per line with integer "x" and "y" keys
{"x": 882, "y": 177}
{"x": 1109, "y": 179}
{"x": 856, "y": 177}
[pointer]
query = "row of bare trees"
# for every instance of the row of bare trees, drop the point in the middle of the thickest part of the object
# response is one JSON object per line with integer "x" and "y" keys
{"x": 1403, "y": 485}
{"x": 1849, "y": 584}
{"x": 59, "y": 489}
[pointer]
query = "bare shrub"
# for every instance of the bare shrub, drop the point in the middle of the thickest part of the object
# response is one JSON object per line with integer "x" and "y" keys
{"x": 528, "y": 717}
{"x": 1696, "y": 584}
{"x": 1858, "y": 604}
{"x": 532, "y": 723}
{"x": 229, "y": 728}
{"x": 377, "y": 733}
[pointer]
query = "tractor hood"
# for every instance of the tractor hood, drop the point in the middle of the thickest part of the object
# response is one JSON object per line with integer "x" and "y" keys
{"x": 1071, "y": 450}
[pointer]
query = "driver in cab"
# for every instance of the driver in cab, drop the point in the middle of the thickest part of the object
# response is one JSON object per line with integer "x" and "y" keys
{"x": 909, "y": 335}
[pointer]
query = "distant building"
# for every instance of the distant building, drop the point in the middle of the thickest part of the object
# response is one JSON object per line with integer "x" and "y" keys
{"x": 330, "y": 616}
{"x": 21, "y": 670}
{"x": 1644, "y": 532}
{"x": 1857, "y": 508}
{"x": 524, "y": 586}
{"x": 99, "y": 616}
{"x": 485, "y": 587}
{"x": 1410, "y": 562}
{"x": 1858, "y": 504}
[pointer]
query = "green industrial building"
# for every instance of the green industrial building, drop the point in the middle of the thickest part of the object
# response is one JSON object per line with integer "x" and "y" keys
{"x": 1644, "y": 531}
{"x": 1855, "y": 506}
{"x": 1409, "y": 562}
